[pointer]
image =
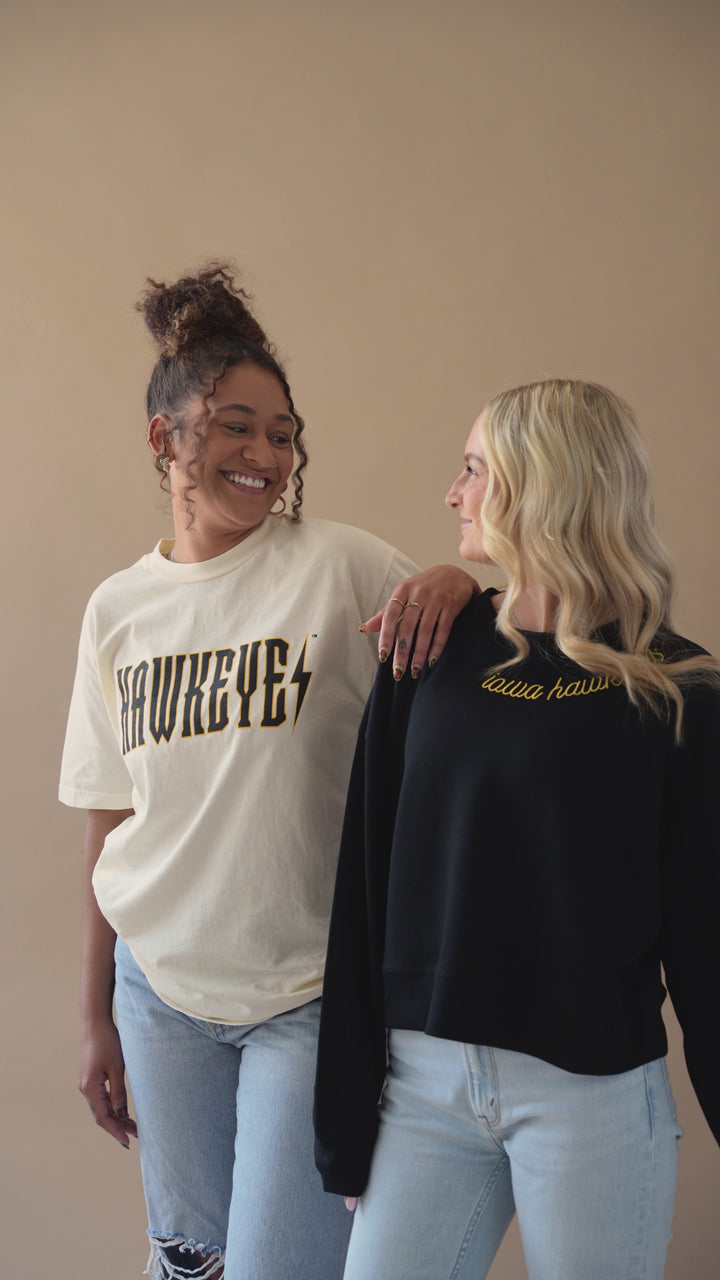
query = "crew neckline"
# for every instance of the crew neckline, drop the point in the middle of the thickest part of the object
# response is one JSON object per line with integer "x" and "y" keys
{"x": 606, "y": 629}
{"x": 204, "y": 570}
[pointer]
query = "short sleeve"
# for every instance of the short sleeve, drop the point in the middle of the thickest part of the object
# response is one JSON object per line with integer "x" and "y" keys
{"x": 400, "y": 569}
{"x": 93, "y": 773}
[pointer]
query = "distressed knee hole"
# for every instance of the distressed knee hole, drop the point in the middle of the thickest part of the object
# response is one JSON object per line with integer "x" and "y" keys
{"x": 175, "y": 1258}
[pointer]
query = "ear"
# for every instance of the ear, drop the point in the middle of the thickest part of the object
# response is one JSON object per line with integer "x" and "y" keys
{"x": 159, "y": 436}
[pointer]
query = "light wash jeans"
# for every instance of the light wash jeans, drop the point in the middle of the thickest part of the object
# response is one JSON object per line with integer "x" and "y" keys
{"x": 469, "y": 1135}
{"x": 226, "y": 1145}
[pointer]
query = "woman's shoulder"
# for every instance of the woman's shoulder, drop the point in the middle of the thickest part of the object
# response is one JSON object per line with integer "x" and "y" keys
{"x": 340, "y": 536}
{"x": 347, "y": 548}
{"x": 697, "y": 673}
{"x": 668, "y": 645}
{"x": 481, "y": 611}
{"x": 119, "y": 589}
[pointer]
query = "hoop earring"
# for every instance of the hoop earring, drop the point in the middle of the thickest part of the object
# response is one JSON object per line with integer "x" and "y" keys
{"x": 282, "y": 508}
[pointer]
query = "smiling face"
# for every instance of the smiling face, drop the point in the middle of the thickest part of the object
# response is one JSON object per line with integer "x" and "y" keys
{"x": 243, "y": 466}
{"x": 467, "y": 493}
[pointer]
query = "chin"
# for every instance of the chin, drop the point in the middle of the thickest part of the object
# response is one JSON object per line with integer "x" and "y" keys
{"x": 470, "y": 553}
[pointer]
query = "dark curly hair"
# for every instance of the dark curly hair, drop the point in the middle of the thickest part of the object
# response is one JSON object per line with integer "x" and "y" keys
{"x": 203, "y": 328}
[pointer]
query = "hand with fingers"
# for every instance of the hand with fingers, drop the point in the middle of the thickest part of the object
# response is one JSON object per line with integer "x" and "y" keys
{"x": 102, "y": 1080}
{"x": 422, "y": 608}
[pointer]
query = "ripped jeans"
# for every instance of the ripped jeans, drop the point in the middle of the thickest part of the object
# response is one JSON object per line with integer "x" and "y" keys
{"x": 226, "y": 1145}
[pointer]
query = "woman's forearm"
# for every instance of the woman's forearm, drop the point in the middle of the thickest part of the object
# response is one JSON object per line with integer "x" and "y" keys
{"x": 98, "y": 965}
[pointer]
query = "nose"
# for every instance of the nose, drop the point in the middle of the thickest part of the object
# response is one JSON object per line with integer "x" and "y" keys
{"x": 261, "y": 453}
{"x": 452, "y": 497}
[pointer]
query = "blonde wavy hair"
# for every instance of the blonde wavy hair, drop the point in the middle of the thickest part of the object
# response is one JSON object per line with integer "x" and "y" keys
{"x": 569, "y": 505}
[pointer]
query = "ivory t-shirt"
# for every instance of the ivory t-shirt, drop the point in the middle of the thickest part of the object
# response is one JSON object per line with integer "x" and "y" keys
{"x": 220, "y": 701}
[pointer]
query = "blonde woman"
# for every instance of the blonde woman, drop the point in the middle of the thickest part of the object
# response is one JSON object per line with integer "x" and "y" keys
{"x": 505, "y": 900}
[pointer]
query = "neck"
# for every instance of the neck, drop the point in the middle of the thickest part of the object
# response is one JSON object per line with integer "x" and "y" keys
{"x": 536, "y": 610}
{"x": 193, "y": 545}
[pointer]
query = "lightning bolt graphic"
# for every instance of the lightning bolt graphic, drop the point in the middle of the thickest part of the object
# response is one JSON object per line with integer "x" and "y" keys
{"x": 302, "y": 679}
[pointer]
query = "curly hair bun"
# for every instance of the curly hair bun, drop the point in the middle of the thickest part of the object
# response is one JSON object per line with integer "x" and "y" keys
{"x": 197, "y": 308}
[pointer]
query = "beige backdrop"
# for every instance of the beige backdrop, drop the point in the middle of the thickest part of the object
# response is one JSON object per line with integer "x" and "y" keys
{"x": 432, "y": 200}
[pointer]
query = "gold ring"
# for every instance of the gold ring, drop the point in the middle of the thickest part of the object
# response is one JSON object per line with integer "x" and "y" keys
{"x": 397, "y": 601}
{"x": 414, "y": 604}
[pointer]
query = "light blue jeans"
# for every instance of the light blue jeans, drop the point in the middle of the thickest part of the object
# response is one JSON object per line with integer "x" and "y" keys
{"x": 470, "y": 1135}
{"x": 226, "y": 1144}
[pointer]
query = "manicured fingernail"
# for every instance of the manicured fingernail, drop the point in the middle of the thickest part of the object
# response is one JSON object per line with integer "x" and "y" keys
{"x": 398, "y": 673}
{"x": 361, "y": 627}
{"x": 383, "y": 655}
{"x": 126, "y": 1145}
{"x": 432, "y": 662}
{"x": 414, "y": 672}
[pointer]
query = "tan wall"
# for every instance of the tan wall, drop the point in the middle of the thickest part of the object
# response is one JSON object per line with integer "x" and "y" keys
{"x": 432, "y": 200}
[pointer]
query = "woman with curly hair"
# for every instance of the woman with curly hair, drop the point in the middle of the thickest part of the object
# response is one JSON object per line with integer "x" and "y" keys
{"x": 219, "y": 685}
{"x": 506, "y": 897}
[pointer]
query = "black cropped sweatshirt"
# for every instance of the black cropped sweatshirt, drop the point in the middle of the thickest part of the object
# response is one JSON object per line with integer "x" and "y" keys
{"x": 521, "y": 854}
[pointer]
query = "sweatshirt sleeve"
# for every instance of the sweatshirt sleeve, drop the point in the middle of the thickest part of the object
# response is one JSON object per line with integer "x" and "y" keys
{"x": 352, "y": 1042}
{"x": 691, "y": 895}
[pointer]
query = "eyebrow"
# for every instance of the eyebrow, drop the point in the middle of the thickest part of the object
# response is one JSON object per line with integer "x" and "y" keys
{"x": 246, "y": 408}
{"x": 475, "y": 456}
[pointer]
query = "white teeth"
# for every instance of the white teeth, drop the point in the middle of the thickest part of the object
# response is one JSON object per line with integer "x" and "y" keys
{"x": 253, "y": 482}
